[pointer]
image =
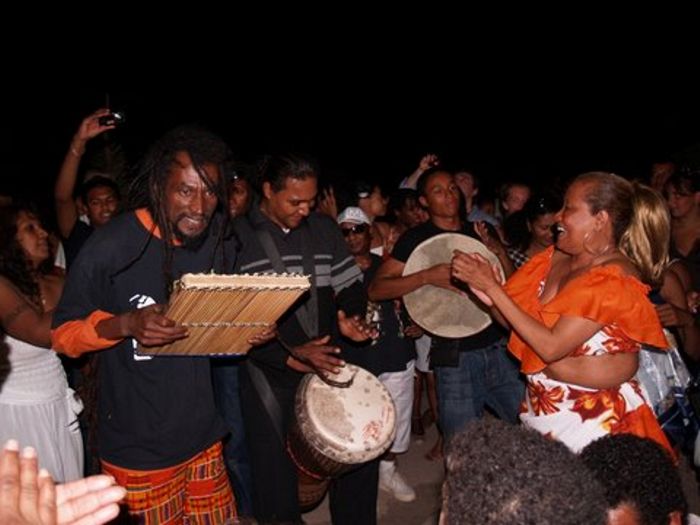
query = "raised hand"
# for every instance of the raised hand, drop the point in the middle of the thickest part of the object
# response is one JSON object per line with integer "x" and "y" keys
{"x": 327, "y": 203}
{"x": 90, "y": 127}
{"x": 428, "y": 161}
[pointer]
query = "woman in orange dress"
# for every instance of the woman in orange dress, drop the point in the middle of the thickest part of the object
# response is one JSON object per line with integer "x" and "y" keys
{"x": 579, "y": 312}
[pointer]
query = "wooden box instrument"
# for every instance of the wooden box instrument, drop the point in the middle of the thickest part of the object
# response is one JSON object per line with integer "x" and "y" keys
{"x": 221, "y": 312}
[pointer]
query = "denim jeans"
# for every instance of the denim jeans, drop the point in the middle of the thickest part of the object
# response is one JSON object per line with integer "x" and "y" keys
{"x": 225, "y": 377}
{"x": 486, "y": 376}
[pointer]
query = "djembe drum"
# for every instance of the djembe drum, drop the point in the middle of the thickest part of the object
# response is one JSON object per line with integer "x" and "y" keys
{"x": 338, "y": 429}
{"x": 222, "y": 312}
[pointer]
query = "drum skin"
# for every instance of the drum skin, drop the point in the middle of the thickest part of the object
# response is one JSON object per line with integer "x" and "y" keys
{"x": 338, "y": 429}
{"x": 440, "y": 311}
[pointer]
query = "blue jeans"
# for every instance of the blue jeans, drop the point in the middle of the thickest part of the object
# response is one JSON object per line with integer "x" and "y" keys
{"x": 486, "y": 376}
{"x": 225, "y": 378}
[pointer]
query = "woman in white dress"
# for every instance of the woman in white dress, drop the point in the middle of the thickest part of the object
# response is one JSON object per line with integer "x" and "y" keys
{"x": 36, "y": 406}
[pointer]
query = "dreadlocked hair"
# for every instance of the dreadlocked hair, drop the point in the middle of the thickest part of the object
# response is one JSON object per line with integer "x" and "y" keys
{"x": 14, "y": 264}
{"x": 148, "y": 187}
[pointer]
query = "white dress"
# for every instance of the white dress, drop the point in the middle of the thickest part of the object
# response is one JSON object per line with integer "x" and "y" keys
{"x": 38, "y": 409}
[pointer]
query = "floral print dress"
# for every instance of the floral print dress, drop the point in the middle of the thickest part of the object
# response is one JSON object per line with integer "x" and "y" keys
{"x": 570, "y": 413}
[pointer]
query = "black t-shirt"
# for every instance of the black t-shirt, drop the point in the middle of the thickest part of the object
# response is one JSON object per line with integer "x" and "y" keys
{"x": 153, "y": 412}
{"x": 391, "y": 350}
{"x": 75, "y": 241}
{"x": 445, "y": 352}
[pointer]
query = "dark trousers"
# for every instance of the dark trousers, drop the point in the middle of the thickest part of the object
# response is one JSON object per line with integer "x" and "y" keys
{"x": 273, "y": 472}
{"x": 353, "y": 496}
{"x": 225, "y": 374}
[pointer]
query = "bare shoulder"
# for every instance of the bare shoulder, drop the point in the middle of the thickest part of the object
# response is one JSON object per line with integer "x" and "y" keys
{"x": 624, "y": 264}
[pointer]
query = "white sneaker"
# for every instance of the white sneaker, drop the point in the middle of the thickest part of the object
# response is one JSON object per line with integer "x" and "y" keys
{"x": 391, "y": 481}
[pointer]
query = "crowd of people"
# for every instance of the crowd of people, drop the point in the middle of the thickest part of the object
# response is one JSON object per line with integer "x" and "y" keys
{"x": 576, "y": 290}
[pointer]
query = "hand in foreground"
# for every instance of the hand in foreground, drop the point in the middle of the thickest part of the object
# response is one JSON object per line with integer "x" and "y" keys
{"x": 150, "y": 327}
{"x": 327, "y": 203}
{"x": 28, "y": 497}
{"x": 265, "y": 336}
{"x": 475, "y": 270}
{"x": 355, "y": 328}
{"x": 318, "y": 352}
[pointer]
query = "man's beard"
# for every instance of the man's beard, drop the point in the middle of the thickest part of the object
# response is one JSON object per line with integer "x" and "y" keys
{"x": 192, "y": 243}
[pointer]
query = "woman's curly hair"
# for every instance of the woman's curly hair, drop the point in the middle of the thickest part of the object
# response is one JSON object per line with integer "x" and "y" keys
{"x": 14, "y": 264}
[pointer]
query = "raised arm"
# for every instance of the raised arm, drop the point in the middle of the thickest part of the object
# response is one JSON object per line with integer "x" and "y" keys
{"x": 428, "y": 161}
{"x": 66, "y": 209}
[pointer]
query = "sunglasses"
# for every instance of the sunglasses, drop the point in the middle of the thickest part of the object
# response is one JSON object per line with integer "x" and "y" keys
{"x": 358, "y": 228}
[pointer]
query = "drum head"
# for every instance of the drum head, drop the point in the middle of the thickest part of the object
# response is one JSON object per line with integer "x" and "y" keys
{"x": 347, "y": 425}
{"x": 438, "y": 310}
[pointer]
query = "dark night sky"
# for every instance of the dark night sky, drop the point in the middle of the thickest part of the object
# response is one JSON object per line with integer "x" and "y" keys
{"x": 375, "y": 130}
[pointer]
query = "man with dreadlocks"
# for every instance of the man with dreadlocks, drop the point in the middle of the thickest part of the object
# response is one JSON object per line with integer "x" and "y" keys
{"x": 158, "y": 431}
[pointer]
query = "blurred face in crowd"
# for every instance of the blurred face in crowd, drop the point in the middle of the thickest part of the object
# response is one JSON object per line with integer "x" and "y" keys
{"x": 375, "y": 204}
{"x": 541, "y": 230}
{"x": 32, "y": 237}
{"x": 660, "y": 172}
{"x": 465, "y": 183}
{"x": 357, "y": 236}
{"x": 681, "y": 201}
{"x": 102, "y": 204}
{"x": 190, "y": 202}
{"x": 516, "y": 199}
{"x": 290, "y": 205}
{"x": 240, "y": 196}
{"x": 411, "y": 214}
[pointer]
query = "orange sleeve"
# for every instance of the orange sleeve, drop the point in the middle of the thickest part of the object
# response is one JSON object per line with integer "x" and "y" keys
{"x": 75, "y": 338}
{"x": 523, "y": 288}
{"x": 605, "y": 295}
{"x": 608, "y": 296}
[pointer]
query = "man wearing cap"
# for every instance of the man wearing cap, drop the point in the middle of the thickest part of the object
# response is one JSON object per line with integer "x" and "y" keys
{"x": 473, "y": 371}
{"x": 391, "y": 356}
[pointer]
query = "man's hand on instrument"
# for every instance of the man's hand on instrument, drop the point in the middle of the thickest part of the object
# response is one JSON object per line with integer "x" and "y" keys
{"x": 356, "y": 328}
{"x": 475, "y": 270}
{"x": 413, "y": 331}
{"x": 440, "y": 275}
{"x": 150, "y": 327}
{"x": 265, "y": 336}
{"x": 317, "y": 351}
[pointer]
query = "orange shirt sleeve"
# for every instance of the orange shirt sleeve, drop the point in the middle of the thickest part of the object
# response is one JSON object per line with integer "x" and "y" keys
{"x": 605, "y": 295}
{"x": 75, "y": 338}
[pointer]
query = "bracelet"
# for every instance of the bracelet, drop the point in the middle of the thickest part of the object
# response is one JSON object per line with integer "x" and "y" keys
{"x": 75, "y": 151}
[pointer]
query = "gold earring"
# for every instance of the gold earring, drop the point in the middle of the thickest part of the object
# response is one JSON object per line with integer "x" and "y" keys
{"x": 594, "y": 252}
